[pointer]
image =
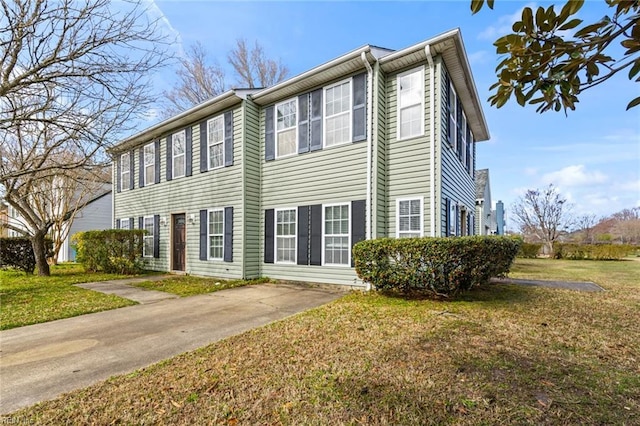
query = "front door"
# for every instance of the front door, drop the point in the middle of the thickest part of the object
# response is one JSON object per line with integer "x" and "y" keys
{"x": 178, "y": 250}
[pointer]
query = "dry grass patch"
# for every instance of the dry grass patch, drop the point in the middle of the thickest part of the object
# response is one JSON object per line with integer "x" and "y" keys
{"x": 188, "y": 285}
{"x": 504, "y": 354}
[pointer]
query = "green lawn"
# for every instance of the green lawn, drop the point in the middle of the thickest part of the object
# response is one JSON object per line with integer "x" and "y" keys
{"x": 502, "y": 354}
{"x": 30, "y": 299}
{"x": 186, "y": 285}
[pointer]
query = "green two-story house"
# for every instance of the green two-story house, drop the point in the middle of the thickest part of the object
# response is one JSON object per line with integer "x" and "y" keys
{"x": 282, "y": 181}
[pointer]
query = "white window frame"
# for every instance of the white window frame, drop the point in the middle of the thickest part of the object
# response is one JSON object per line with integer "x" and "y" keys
{"x": 401, "y": 107}
{"x": 349, "y": 113}
{"x": 464, "y": 140}
{"x": 471, "y": 149}
{"x": 151, "y": 164}
{"x": 294, "y": 127}
{"x": 147, "y": 236}
{"x": 122, "y": 222}
{"x": 125, "y": 182}
{"x": 175, "y": 157}
{"x": 211, "y": 143}
{"x": 421, "y": 230}
{"x": 324, "y": 235}
{"x": 276, "y": 236}
{"x": 453, "y": 99}
{"x": 453, "y": 229}
{"x": 209, "y": 234}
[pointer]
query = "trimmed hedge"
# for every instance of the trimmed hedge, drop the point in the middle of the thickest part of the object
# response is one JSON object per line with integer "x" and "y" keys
{"x": 592, "y": 251}
{"x": 17, "y": 252}
{"x": 117, "y": 251}
{"x": 529, "y": 250}
{"x": 440, "y": 267}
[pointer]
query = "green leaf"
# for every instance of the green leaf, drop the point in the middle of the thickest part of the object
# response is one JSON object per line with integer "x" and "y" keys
{"x": 589, "y": 29}
{"x": 571, "y": 24}
{"x": 571, "y": 7}
{"x": 527, "y": 19}
{"x": 635, "y": 69}
{"x": 633, "y": 103}
{"x": 476, "y": 5}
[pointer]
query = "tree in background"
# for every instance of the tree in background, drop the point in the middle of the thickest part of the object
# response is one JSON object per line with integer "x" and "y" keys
{"x": 627, "y": 226}
{"x": 551, "y": 56}
{"x": 200, "y": 79}
{"x": 542, "y": 213}
{"x": 585, "y": 224}
{"x": 73, "y": 81}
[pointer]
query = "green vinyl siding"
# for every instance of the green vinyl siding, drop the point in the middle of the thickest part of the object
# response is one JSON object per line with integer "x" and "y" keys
{"x": 408, "y": 161}
{"x": 213, "y": 189}
{"x": 251, "y": 184}
{"x": 380, "y": 218}
{"x": 456, "y": 182}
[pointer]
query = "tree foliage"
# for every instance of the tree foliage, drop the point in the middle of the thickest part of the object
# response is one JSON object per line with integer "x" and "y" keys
{"x": 542, "y": 213}
{"x": 552, "y": 56}
{"x": 254, "y": 68}
{"x": 74, "y": 80}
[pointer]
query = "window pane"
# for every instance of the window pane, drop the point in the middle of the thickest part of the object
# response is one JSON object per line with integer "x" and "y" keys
{"x": 287, "y": 142}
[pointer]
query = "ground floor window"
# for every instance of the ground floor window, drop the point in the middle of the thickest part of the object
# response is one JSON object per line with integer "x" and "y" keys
{"x": 286, "y": 236}
{"x": 336, "y": 235}
{"x": 216, "y": 234}
{"x": 409, "y": 218}
{"x": 147, "y": 248}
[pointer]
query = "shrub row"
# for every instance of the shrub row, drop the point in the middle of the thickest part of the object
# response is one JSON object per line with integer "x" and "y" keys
{"x": 592, "y": 251}
{"x": 529, "y": 250}
{"x": 17, "y": 252}
{"x": 437, "y": 267}
{"x": 116, "y": 251}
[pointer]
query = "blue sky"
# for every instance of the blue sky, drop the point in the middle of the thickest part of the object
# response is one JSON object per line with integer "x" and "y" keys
{"x": 592, "y": 155}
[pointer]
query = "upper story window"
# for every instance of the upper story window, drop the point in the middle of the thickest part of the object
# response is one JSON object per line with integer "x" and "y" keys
{"x": 453, "y": 102}
{"x": 215, "y": 142}
{"x": 178, "y": 147}
{"x": 337, "y": 117}
{"x": 411, "y": 103}
{"x": 286, "y": 236}
{"x": 336, "y": 235}
{"x": 125, "y": 170}
{"x": 462, "y": 139}
{"x": 147, "y": 248}
{"x": 149, "y": 164}
{"x": 286, "y": 130}
{"x": 409, "y": 218}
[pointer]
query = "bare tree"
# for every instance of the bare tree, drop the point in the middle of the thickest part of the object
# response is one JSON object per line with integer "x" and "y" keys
{"x": 198, "y": 81}
{"x": 627, "y": 225}
{"x": 254, "y": 68}
{"x": 585, "y": 224}
{"x": 73, "y": 82}
{"x": 544, "y": 213}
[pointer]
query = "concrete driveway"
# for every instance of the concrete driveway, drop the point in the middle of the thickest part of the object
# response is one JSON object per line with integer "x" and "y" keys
{"x": 42, "y": 361}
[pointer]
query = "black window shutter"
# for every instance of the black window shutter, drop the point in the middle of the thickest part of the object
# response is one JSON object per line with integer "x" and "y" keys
{"x": 132, "y": 176}
{"x": 204, "y": 163}
{"x": 228, "y": 234}
{"x": 269, "y": 135}
{"x": 131, "y": 222}
{"x": 169, "y": 158}
{"x": 315, "y": 237}
{"x": 203, "y": 235}
{"x": 188, "y": 152}
{"x": 156, "y": 150}
{"x": 268, "y": 235}
{"x": 303, "y": 235}
{"x": 156, "y": 236}
{"x": 316, "y": 120}
{"x": 141, "y": 162}
{"x": 228, "y": 138}
{"x": 117, "y": 223}
{"x": 358, "y": 223}
{"x": 141, "y": 222}
{"x": 303, "y": 123}
{"x": 359, "y": 116}
{"x": 119, "y": 173}
{"x": 447, "y": 206}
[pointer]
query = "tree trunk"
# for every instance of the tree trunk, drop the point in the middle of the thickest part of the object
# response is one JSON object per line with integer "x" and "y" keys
{"x": 549, "y": 245}
{"x": 39, "y": 245}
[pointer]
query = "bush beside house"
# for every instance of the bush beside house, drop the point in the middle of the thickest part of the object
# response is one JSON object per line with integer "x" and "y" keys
{"x": 117, "y": 251}
{"x": 17, "y": 252}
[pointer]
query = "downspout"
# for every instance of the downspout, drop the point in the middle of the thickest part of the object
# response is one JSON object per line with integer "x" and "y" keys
{"x": 432, "y": 141}
{"x": 368, "y": 213}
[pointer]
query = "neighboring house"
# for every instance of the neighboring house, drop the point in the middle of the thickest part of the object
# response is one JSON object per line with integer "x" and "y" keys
{"x": 4, "y": 218}
{"x": 14, "y": 219}
{"x": 95, "y": 215}
{"x": 282, "y": 181}
{"x": 484, "y": 217}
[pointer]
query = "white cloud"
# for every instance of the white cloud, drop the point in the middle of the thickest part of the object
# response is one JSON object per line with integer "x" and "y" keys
{"x": 155, "y": 14}
{"x": 479, "y": 57}
{"x": 504, "y": 24}
{"x": 572, "y": 176}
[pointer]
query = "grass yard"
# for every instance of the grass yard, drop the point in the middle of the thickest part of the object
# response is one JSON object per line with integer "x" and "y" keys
{"x": 502, "y": 354}
{"x": 186, "y": 285}
{"x": 30, "y": 299}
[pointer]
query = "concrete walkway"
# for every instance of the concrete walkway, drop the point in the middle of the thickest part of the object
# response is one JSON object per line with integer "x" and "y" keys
{"x": 39, "y": 362}
{"x": 123, "y": 288}
{"x": 566, "y": 285}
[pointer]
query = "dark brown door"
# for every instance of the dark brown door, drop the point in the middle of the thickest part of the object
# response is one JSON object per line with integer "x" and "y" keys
{"x": 178, "y": 254}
